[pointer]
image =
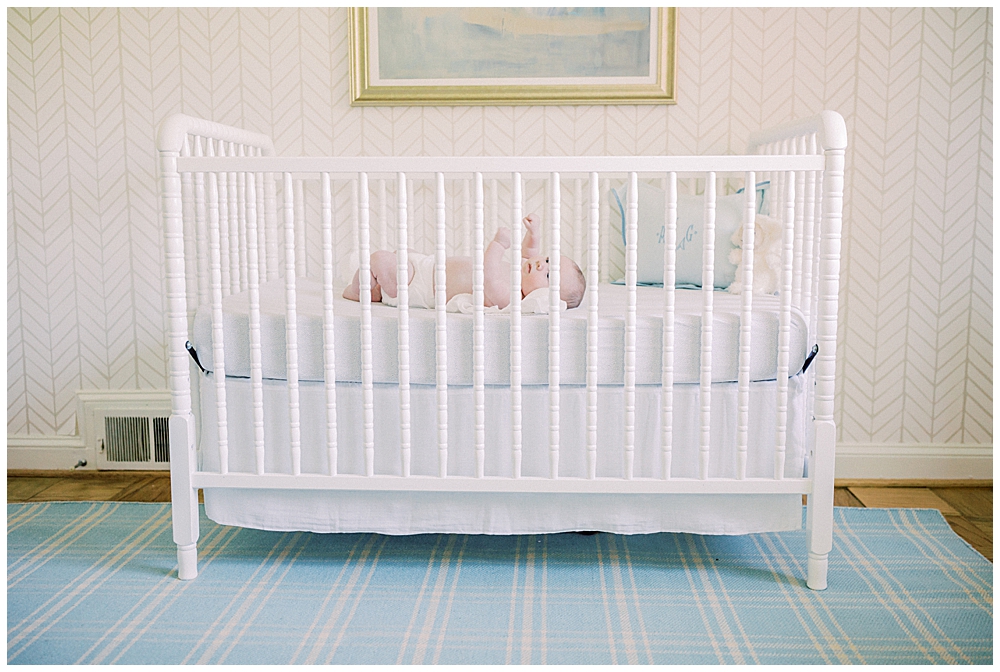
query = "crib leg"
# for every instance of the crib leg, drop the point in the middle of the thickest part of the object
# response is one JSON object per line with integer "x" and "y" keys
{"x": 183, "y": 497}
{"x": 819, "y": 511}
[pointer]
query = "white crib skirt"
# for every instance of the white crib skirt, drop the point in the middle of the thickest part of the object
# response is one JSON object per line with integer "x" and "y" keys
{"x": 503, "y": 513}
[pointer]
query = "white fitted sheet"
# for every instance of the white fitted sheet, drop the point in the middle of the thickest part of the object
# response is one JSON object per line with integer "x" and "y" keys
{"x": 573, "y": 339}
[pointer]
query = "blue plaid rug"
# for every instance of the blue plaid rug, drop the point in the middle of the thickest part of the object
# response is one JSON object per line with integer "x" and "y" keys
{"x": 95, "y": 583}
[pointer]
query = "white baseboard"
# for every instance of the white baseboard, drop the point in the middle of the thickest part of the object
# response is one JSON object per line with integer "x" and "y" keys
{"x": 48, "y": 452}
{"x": 923, "y": 461}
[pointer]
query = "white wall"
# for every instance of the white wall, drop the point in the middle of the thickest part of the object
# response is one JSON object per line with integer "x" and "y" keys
{"x": 88, "y": 87}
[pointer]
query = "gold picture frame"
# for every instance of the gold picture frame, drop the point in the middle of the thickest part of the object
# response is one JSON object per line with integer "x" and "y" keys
{"x": 369, "y": 89}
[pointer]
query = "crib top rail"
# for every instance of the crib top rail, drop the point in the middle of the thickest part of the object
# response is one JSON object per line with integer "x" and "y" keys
{"x": 526, "y": 165}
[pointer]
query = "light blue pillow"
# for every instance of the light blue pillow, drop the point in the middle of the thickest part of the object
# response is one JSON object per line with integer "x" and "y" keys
{"x": 690, "y": 222}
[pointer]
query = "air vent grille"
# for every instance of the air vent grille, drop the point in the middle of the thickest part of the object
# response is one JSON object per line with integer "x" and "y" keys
{"x": 136, "y": 439}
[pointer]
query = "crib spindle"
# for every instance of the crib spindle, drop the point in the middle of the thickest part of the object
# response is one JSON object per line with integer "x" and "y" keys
{"x": 631, "y": 268}
{"x": 743, "y": 377}
{"x": 241, "y": 225}
{"x": 261, "y": 228}
{"x": 188, "y": 225}
{"x": 221, "y": 179}
{"x": 271, "y": 225}
{"x": 466, "y": 220}
{"x": 515, "y": 323}
{"x": 808, "y": 223}
{"x": 291, "y": 329}
{"x": 605, "y": 234}
{"x": 669, "y": 303}
{"x": 707, "y": 292}
{"x": 234, "y": 228}
{"x": 329, "y": 351}
{"x": 218, "y": 346}
{"x": 478, "y": 330}
{"x": 441, "y": 325}
{"x": 784, "y": 321}
{"x": 578, "y": 251}
{"x": 301, "y": 258}
{"x": 593, "y": 262}
{"x": 253, "y": 292}
{"x": 383, "y": 216}
{"x": 403, "y": 324}
{"x": 554, "y": 310}
{"x": 201, "y": 230}
{"x": 365, "y": 284}
{"x": 800, "y": 195}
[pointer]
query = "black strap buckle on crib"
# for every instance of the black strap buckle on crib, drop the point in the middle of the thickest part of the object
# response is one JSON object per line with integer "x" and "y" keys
{"x": 809, "y": 358}
{"x": 194, "y": 356}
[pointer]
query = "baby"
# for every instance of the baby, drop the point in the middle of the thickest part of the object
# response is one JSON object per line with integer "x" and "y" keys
{"x": 458, "y": 273}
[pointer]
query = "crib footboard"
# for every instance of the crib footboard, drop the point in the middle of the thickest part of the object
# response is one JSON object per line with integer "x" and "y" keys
{"x": 237, "y": 218}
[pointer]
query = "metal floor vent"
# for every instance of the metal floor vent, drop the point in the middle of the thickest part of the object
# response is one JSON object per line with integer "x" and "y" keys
{"x": 136, "y": 439}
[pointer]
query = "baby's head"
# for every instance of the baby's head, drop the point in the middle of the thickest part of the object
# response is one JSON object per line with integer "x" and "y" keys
{"x": 572, "y": 285}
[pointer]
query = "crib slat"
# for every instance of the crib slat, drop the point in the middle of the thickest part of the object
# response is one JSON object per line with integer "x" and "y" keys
{"x": 291, "y": 329}
{"x": 784, "y": 321}
{"x": 478, "y": 329}
{"x": 578, "y": 251}
{"x": 743, "y": 377}
{"x": 797, "y": 257}
{"x": 441, "y": 324}
{"x": 605, "y": 231}
{"x": 383, "y": 217}
{"x": 241, "y": 198}
{"x": 261, "y": 228}
{"x": 253, "y": 291}
{"x": 554, "y": 310}
{"x": 271, "y": 224}
{"x": 707, "y": 292}
{"x": 466, "y": 220}
{"x": 669, "y": 304}
{"x": 365, "y": 284}
{"x": 515, "y": 322}
{"x": 301, "y": 258}
{"x": 201, "y": 230}
{"x": 809, "y": 224}
{"x": 329, "y": 351}
{"x": 593, "y": 262}
{"x": 223, "y": 210}
{"x": 494, "y": 209}
{"x": 817, "y": 229}
{"x": 218, "y": 347}
{"x": 189, "y": 226}
{"x": 403, "y": 325}
{"x": 234, "y": 228}
{"x": 631, "y": 267}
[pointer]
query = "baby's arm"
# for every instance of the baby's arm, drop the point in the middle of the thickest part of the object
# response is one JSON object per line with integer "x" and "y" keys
{"x": 531, "y": 245}
{"x": 496, "y": 274}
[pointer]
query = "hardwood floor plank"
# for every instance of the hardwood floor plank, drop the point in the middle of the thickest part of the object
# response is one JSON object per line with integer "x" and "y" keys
{"x": 972, "y": 503}
{"x": 23, "y": 489}
{"x": 905, "y": 498}
{"x": 843, "y": 497}
{"x": 73, "y": 490}
{"x": 972, "y": 534}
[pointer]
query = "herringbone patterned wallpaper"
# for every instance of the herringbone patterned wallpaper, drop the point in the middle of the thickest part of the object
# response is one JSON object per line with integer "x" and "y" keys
{"x": 88, "y": 87}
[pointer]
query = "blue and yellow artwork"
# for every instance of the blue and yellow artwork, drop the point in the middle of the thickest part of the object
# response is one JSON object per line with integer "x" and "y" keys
{"x": 513, "y": 43}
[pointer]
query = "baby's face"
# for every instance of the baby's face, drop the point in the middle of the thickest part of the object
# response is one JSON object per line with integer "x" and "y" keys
{"x": 534, "y": 274}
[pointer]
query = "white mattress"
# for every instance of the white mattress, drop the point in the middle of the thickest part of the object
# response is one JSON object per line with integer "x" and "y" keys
{"x": 573, "y": 339}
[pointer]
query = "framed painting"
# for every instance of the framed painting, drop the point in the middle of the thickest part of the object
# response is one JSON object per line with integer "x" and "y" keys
{"x": 513, "y": 56}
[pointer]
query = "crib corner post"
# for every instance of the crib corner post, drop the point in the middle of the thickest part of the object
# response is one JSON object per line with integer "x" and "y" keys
{"x": 183, "y": 496}
{"x": 819, "y": 511}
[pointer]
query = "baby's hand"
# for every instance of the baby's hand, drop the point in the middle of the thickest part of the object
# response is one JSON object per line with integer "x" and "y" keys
{"x": 531, "y": 223}
{"x": 503, "y": 237}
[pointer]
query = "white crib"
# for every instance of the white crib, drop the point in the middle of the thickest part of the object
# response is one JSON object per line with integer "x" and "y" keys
{"x": 646, "y": 409}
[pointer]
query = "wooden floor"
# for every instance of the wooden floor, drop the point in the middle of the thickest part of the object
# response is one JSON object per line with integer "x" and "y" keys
{"x": 966, "y": 505}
